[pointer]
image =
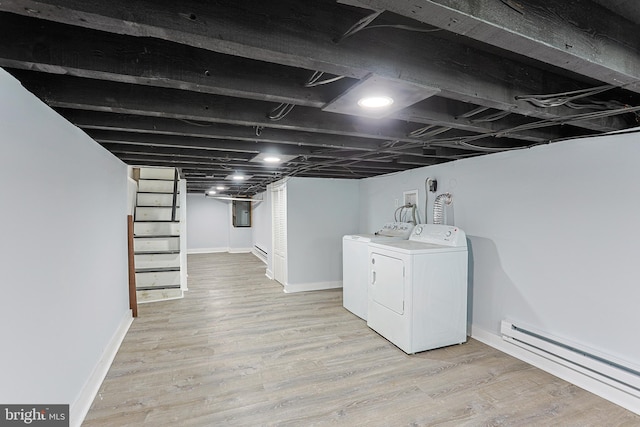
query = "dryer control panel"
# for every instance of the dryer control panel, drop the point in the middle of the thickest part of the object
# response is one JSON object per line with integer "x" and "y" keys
{"x": 445, "y": 235}
{"x": 396, "y": 229}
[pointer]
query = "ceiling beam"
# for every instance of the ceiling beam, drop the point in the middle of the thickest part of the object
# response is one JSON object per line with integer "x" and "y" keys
{"x": 61, "y": 49}
{"x": 579, "y": 36}
{"x": 281, "y": 33}
{"x": 95, "y": 95}
{"x": 110, "y": 97}
{"x": 206, "y": 158}
{"x": 51, "y": 47}
{"x": 217, "y": 146}
{"x": 95, "y": 120}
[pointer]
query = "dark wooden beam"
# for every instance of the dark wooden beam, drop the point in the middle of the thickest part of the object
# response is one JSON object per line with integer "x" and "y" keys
{"x": 71, "y": 93}
{"x": 94, "y": 95}
{"x": 179, "y": 152}
{"x": 62, "y": 49}
{"x": 51, "y": 47}
{"x": 216, "y": 146}
{"x": 626, "y": 9}
{"x": 95, "y": 120}
{"x": 284, "y": 33}
{"x": 445, "y": 112}
{"x": 579, "y": 36}
{"x": 221, "y": 169}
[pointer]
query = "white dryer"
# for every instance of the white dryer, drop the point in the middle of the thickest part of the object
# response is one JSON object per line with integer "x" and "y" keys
{"x": 418, "y": 288}
{"x": 355, "y": 264}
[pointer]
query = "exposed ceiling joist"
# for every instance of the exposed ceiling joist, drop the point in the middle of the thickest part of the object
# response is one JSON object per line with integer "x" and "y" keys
{"x": 208, "y": 86}
{"x": 244, "y": 29}
{"x": 578, "y": 36}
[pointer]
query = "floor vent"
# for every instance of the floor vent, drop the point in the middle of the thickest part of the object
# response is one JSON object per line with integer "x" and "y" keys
{"x": 603, "y": 368}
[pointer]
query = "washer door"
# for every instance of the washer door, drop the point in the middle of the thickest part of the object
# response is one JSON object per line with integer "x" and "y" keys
{"x": 386, "y": 281}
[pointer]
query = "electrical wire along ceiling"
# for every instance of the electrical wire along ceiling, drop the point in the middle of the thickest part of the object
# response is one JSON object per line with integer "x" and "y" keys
{"x": 338, "y": 89}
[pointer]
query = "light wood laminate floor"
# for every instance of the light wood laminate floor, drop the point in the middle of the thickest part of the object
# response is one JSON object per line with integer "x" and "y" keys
{"x": 238, "y": 351}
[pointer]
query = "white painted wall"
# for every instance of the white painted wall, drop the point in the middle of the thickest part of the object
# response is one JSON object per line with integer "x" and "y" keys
{"x": 210, "y": 228}
{"x": 208, "y": 224}
{"x": 240, "y": 238}
{"x": 63, "y": 251}
{"x": 553, "y": 236}
{"x": 319, "y": 213}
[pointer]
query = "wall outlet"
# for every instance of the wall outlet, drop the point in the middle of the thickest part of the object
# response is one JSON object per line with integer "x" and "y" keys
{"x": 410, "y": 197}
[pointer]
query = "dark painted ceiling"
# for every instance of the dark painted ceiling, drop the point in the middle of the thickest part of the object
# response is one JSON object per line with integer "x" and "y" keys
{"x": 206, "y": 86}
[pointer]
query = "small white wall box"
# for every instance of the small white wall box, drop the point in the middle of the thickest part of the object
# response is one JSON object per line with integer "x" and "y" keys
{"x": 410, "y": 197}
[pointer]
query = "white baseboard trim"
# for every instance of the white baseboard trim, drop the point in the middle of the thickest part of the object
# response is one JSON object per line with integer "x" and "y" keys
{"x": 606, "y": 391}
{"x": 161, "y": 299}
{"x": 269, "y": 274}
{"x": 240, "y": 250}
{"x": 316, "y": 286}
{"x": 79, "y": 409}
{"x": 206, "y": 250}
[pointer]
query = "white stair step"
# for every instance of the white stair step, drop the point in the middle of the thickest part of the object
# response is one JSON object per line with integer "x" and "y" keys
{"x": 157, "y": 173}
{"x": 156, "y": 214}
{"x": 157, "y": 279}
{"x": 156, "y": 228}
{"x": 157, "y": 199}
{"x": 151, "y": 244}
{"x": 155, "y": 186}
{"x": 157, "y": 260}
{"x": 154, "y": 295}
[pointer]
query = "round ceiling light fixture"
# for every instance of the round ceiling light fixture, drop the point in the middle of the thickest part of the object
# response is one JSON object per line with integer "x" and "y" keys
{"x": 220, "y": 187}
{"x": 376, "y": 102}
{"x": 272, "y": 159}
{"x": 211, "y": 192}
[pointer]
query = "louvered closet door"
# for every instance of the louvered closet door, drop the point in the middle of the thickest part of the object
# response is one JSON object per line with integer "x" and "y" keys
{"x": 279, "y": 218}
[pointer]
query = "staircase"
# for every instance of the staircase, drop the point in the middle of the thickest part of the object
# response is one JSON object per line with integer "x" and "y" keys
{"x": 156, "y": 232}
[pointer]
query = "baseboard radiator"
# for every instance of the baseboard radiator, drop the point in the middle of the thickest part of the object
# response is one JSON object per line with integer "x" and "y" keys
{"x": 260, "y": 253}
{"x": 613, "y": 373}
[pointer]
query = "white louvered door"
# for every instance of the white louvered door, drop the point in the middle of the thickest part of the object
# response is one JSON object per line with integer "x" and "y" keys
{"x": 279, "y": 226}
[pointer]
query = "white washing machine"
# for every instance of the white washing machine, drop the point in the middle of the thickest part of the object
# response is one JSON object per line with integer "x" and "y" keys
{"x": 418, "y": 288}
{"x": 355, "y": 264}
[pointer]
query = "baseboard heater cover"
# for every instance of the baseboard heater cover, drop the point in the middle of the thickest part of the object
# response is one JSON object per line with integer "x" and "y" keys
{"x": 260, "y": 253}
{"x": 614, "y": 373}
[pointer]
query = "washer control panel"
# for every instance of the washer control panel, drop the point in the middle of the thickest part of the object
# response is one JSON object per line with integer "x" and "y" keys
{"x": 446, "y": 235}
{"x": 396, "y": 229}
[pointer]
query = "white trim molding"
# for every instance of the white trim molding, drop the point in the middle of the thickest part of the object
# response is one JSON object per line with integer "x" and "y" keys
{"x": 206, "y": 250}
{"x": 240, "y": 250}
{"x": 79, "y": 409}
{"x": 316, "y": 286}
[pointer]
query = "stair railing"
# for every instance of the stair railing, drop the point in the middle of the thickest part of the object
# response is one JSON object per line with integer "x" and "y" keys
{"x": 175, "y": 195}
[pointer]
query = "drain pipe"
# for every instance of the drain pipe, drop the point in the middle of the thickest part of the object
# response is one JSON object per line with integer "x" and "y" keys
{"x": 438, "y": 207}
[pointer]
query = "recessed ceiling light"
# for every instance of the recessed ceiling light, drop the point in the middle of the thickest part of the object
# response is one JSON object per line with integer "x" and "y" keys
{"x": 237, "y": 177}
{"x": 275, "y": 159}
{"x": 375, "y": 102}
{"x": 211, "y": 192}
{"x": 395, "y": 94}
{"x": 220, "y": 187}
